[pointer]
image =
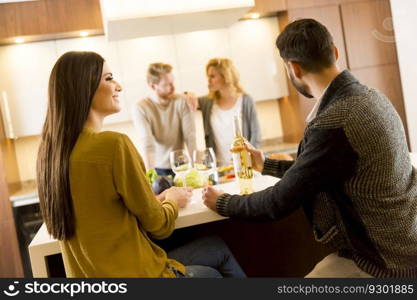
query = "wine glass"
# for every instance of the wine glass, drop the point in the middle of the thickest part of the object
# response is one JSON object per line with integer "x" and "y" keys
{"x": 205, "y": 163}
{"x": 180, "y": 163}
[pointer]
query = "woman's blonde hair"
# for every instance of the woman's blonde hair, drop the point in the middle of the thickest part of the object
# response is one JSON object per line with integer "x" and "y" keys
{"x": 228, "y": 71}
{"x": 156, "y": 70}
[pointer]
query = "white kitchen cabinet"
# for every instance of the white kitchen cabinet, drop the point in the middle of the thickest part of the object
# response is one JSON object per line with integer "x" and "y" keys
{"x": 257, "y": 59}
{"x": 194, "y": 50}
{"x": 249, "y": 44}
{"x": 25, "y": 69}
{"x": 108, "y": 50}
{"x": 24, "y": 73}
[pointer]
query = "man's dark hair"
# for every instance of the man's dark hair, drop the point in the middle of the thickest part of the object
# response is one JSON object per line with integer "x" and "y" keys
{"x": 308, "y": 43}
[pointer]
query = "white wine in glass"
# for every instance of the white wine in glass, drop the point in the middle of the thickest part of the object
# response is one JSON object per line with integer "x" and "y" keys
{"x": 205, "y": 163}
{"x": 180, "y": 163}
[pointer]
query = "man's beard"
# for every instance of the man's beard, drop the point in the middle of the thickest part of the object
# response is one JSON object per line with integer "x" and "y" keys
{"x": 168, "y": 96}
{"x": 300, "y": 88}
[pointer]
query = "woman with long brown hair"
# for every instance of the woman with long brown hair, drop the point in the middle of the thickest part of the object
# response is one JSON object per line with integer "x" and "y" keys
{"x": 93, "y": 191}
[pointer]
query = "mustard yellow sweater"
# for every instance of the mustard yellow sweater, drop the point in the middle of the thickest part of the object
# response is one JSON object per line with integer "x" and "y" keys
{"x": 115, "y": 211}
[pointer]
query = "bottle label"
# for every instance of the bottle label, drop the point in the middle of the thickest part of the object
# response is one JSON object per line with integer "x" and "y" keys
{"x": 243, "y": 171}
{"x": 243, "y": 164}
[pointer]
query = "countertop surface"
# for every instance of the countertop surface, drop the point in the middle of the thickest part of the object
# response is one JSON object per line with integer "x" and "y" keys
{"x": 193, "y": 214}
{"x": 24, "y": 190}
{"x": 23, "y": 193}
{"x": 276, "y": 145}
{"x": 27, "y": 193}
{"x": 28, "y": 190}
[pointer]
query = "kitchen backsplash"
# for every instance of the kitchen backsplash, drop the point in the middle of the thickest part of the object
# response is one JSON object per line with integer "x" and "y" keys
{"x": 27, "y": 147}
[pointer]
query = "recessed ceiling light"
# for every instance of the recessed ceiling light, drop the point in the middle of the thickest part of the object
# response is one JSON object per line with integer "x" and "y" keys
{"x": 254, "y": 15}
{"x": 19, "y": 40}
{"x": 83, "y": 33}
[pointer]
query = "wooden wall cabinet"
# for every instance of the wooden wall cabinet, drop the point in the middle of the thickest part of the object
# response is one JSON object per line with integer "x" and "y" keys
{"x": 48, "y": 19}
{"x": 269, "y": 7}
{"x": 368, "y": 43}
{"x": 330, "y": 17}
{"x": 296, "y": 108}
{"x": 292, "y": 4}
{"x": 10, "y": 260}
{"x": 371, "y": 50}
{"x": 362, "y": 31}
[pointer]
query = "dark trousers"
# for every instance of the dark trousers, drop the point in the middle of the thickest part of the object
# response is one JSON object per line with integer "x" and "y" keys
{"x": 207, "y": 257}
{"x": 165, "y": 172}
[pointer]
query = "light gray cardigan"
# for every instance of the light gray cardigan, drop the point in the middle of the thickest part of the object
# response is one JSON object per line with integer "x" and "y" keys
{"x": 250, "y": 124}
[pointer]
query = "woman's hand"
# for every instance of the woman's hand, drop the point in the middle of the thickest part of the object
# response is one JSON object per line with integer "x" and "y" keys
{"x": 161, "y": 197}
{"x": 179, "y": 195}
{"x": 191, "y": 100}
{"x": 210, "y": 195}
{"x": 258, "y": 157}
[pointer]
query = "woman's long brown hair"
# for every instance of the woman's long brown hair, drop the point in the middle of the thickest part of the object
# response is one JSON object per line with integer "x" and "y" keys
{"x": 72, "y": 84}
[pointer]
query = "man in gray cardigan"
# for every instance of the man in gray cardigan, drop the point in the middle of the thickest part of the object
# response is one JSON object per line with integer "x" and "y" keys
{"x": 353, "y": 175}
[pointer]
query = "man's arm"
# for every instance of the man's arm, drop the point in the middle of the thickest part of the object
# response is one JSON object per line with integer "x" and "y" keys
{"x": 271, "y": 167}
{"x": 191, "y": 100}
{"x": 276, "y": 168}
{"x": 327, "y": 160}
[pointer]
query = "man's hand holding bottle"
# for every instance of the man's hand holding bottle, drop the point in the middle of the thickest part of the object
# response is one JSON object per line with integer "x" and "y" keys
{"x": 258, "y": 157}
{"x": 210, "y": 194}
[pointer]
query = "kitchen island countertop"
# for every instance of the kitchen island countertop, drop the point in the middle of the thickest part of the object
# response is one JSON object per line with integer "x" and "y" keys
{"x": 194, "y": 213}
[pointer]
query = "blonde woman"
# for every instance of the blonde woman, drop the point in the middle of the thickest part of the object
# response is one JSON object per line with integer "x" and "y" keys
{"x": 226, "y": 99}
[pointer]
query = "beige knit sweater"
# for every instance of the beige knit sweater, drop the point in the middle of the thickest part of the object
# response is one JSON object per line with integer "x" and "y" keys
{"x": 164, "y": 129}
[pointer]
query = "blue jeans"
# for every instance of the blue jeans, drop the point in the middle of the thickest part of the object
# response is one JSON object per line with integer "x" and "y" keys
{"x": 165, "y": 172}
{"x": 207, "y": 257}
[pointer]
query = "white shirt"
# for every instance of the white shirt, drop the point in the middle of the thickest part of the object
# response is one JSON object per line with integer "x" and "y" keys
{"x": 222, "y": 124}
{"x": 313, "y": 112}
